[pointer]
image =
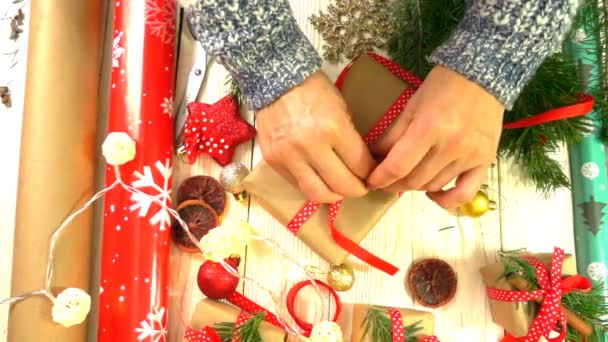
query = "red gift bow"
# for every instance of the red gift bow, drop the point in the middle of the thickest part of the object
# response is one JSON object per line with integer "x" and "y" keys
{"x": 399, "y": 329}
{"x": 206, "y": 334}
{"x": 552, "y": 287}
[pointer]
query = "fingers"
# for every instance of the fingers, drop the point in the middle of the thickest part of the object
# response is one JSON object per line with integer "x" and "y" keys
{"x": 391, "y": 135}
{"x": 336, "y": 175}
{"x": 467, "y": 185}
{"x": 310, "y": 183}
{"x": 354, "y": 153}
{"x": 407, "y": 152}
{"x": 447, "y": 175}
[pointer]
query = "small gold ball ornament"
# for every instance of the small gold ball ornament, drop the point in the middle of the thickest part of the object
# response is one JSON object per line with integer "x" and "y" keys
{"x": 231, "y": 179}
{"x": 479, "y": 205}
{"x": 341, "y": 277}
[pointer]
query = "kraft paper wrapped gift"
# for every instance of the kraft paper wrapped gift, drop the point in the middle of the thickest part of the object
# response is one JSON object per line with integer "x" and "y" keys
{"x": 515, "y": 318}
{"x": 210, "y": 312}
{"x": 352, "y": 318}
{"x": 369, "y": 89}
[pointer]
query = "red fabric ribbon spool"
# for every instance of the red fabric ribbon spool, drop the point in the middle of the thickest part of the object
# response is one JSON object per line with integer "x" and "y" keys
{"x": 291, "y": 299}
{"x": 552, "y": 287}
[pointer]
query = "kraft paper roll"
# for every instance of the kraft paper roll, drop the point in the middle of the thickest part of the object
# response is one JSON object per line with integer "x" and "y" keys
{"x": 58, "y": 154}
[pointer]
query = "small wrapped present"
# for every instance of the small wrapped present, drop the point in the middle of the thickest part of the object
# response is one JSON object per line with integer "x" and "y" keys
{"x": 524, "y": 309}
{"x": 209, "y": 312}
{"x": 376, "y": 91}
{"x": 352, "y": 320}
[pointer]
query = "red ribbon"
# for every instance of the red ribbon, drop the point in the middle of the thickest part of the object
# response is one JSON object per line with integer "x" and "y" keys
{"x": 371, "y": 137}
{"x": 243, "y": 317}
{"x": 399, "y": 329}
{"x": 252, "y": 307}
{"x": 552, "y": 288}
{"x": 584, "y": 106}
{"x": 291, "y": 299}
{"x": 205, "y": 334}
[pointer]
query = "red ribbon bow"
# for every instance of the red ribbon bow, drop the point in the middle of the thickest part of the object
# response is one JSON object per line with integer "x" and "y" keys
{"x": 552, "y": 287}
{"x": 206, "y": 334}
{"x": 399, "y": 329}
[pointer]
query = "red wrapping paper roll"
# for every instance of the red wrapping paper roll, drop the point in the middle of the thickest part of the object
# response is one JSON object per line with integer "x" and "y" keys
{"x": 136, "y": 240}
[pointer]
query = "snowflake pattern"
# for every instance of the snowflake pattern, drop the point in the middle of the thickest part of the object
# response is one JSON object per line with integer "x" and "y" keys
{"x": 167, "y": 106}
{"x": 153, "y": 327}
{"x": 590, "y": 170}
{"x": 117, "y": 50}
{"x": 351, "y": 27}
{"x": 144, "y": 181}
{"x": 160, "y": 18}
{"x": 596, "y": 271}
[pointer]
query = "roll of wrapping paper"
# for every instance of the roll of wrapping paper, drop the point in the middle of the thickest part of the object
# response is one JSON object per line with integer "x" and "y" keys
{"x": 136, "y": 240}
{"x": 57, "y": 164}
{"x": 588, "y": 167}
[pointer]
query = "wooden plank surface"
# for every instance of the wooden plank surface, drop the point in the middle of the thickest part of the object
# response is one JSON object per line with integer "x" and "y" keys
{"x": 13, "y": 63}
{"x": 410, "y": 231}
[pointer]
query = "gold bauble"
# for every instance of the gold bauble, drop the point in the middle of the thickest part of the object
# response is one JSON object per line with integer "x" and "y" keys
{"x": 231, "y": 179}
{"x": 478, "y": 206}
{"x": 341, "y": 277}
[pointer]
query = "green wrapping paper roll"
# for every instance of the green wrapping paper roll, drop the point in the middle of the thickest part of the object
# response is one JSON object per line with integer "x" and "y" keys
{"x": 588, "y": 165}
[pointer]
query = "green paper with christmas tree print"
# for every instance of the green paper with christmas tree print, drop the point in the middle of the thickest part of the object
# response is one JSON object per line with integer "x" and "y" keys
{"x": 588, "y": 158}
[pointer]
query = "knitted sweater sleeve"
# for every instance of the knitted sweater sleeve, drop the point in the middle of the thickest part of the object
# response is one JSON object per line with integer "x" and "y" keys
{"x": 501, "y": 43}
{"x": 259, "y": 42}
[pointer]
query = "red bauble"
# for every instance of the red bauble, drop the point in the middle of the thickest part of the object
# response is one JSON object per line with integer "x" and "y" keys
{"x": 214, "y": 281}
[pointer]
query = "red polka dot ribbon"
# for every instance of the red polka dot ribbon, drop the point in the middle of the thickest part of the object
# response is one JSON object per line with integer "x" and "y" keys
{"x": 370, "y": 138}
{"x": 399, "y": 329}
{"x": 252, "y": 307}
{"x": 243, "y": 317}
{"x": 552, "y": 287}
{"x": 206, "y": 334}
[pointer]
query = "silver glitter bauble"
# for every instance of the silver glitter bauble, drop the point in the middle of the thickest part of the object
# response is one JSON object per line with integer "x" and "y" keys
{"x": 231, "y": 177}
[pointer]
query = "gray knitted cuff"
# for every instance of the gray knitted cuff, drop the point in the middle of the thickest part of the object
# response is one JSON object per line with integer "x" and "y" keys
{"x": 272, "y": 69}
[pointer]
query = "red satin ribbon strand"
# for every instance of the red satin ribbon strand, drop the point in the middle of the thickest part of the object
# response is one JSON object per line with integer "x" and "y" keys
{"x": 575, "y": 283}
{"x": 291, "y": 300}
{"x": 584, "y": 106}
{"x": 252, "y": 307}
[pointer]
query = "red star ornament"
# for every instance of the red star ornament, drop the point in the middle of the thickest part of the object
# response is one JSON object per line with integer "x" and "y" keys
{"x": 215, "y": 129}
{"x": 206, "y": 334}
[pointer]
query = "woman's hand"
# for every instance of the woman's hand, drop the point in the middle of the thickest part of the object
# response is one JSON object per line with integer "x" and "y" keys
{"x": 449, "y": 130}
{"x": 308, "y": 137}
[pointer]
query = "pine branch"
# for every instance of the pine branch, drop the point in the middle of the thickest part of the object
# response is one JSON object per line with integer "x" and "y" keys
{"x": 246, "y": 332}
{"x": 235, "y": 90}
{"x": 378, "y": 323}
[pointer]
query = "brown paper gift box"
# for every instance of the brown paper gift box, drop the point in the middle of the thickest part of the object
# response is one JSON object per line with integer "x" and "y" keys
{"x": 352, "y": 317}
{"x": 369, "y": 90}
{"x": 515, "y": 318}
{"x": 209, "y": 312}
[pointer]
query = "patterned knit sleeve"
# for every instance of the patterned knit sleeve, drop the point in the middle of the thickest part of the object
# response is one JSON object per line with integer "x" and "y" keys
{"x": 259, "y": 42}
{"x": 501, "y": 43}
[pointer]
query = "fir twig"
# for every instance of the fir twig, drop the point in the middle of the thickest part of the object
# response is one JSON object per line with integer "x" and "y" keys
{"x": 235, "y": 90}
{"x": 378, "y": 323}
{"x": 246, "y": 332}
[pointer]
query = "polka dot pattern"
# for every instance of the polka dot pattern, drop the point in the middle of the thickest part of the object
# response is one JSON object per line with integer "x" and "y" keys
{"x": 371, "y": 137}
{"x": 215, "y": 130}
{"x": 240, "y": 320}
{"x": 252, "y": 307}
{"x": 206, "y": 334}
{"x": 397, "y": 323}
{"x": 551, "y": 289}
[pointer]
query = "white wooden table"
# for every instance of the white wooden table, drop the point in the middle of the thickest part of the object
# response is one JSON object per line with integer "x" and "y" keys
{"x": 407, "y": 233}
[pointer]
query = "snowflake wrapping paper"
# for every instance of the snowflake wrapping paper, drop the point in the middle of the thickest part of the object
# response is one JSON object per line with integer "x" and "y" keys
{"x": 589, "y": 176}
{"x": 136, "y": 234}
